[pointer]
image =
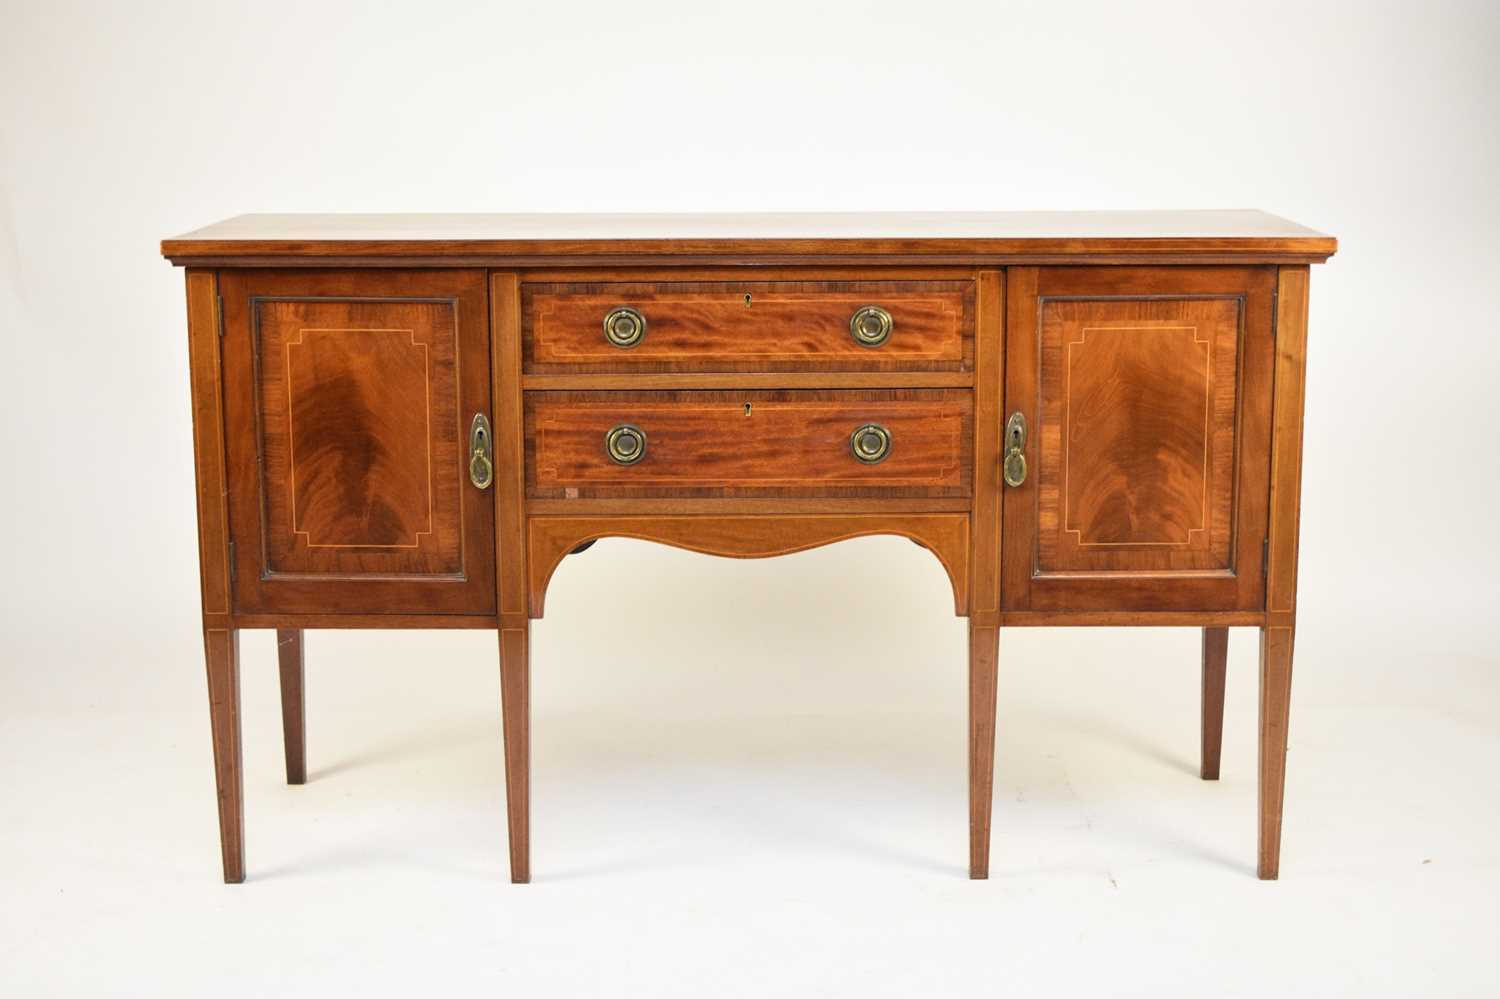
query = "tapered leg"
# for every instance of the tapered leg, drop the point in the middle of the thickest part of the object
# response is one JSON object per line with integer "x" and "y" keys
{"x": 515, "y": 697}
{"x": 293, "y": 706}
{"x": 1275, "y": 705}
{"x": 222, "y": 650}
{"x": 984, "y": 647}
{"x": 1215, "y": 653}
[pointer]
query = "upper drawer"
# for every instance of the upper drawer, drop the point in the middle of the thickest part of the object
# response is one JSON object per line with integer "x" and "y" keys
{"x": 654, "y": 326}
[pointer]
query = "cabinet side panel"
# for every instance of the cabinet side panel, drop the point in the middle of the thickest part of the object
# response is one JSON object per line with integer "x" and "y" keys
{"x": 208, "y": 439}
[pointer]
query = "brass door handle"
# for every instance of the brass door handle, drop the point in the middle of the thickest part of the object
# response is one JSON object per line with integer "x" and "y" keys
{"x": 481, "y": 452}
{"x": 625, "y": 444}
{"x": 870, "y": 443}
{"x": 1014, "y": 465}
{"x": 624, "y": 326}
{"x": 871, "y": 326}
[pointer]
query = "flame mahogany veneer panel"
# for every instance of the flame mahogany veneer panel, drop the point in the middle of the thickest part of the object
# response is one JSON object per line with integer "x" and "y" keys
{"x": 351, "y": 399}
{"x": 1148, "y": 396}
{"x": 1138, "y": 407}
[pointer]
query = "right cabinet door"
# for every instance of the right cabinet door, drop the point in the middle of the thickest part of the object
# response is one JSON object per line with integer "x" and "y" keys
{"x": 1146, "y": 399}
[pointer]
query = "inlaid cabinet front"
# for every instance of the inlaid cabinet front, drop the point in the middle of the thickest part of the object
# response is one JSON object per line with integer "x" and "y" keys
{"x": 349, "y": 396}
{"x": 1147, "y": 401}
{"x": 1090, "y": 419}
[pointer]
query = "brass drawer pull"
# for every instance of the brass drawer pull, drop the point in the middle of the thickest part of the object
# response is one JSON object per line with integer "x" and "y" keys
{"x": 624, "y": 326}
{"x": 1015, "y": 443}
{"x": 871, "y": 443}
{"x": 481, "y": 452}
{"x": 871, "y": 326}
{"x": 625, "y": 444}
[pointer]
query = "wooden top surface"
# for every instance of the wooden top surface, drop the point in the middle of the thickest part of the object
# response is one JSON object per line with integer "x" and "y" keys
{"x": 1179, "y": 236}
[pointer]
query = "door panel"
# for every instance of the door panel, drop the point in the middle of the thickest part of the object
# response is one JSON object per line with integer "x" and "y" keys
{"x": 348, "y": 400}
{"x": 1148, "y": 397}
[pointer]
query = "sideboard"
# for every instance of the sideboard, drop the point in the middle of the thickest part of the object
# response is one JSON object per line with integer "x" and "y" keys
{"x": 409, "y": 421}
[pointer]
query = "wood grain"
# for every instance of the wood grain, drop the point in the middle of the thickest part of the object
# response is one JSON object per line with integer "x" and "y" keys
{"x": 1275, "y": 712}
{"x": 510, "y": 449}
{"x": 945, "y": 535}
{"x": 222, "y": 652}
{"x": 347, "y": 399}
{"x": 1276, "y": 642}
{"x": 515, "y": 697}
{"x": 983, "y": 658}
{"x": 989, "y": 389}
{"x": 1148, "y": 397}
{"x": 1286, "y": 445}
{"x": 972, "y": 237}
{"x": 206, "y": 380}
{"x": 1136, "y": 436}
{"x": 749, "y": 443}
{"x": 748, "y": 325}
{"x": 1215, "y": 656}
{"x": 293, "y": 702}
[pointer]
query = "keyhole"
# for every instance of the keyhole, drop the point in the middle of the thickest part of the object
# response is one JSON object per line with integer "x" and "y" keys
{"x": 747, "y": 300}
{"x": 747, "y": 405}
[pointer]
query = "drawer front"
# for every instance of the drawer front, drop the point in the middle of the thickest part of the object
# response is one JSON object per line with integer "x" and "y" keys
{"x": 914, "y": 443}
{"x": 748, "y": 325}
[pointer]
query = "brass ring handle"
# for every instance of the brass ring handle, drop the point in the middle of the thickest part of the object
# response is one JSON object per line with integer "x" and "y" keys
{"x": 1014, "y": 465}
{"x": 481, "y": 452}
{"x": 625, "y": 444}
{"x": 624, "y": 326}
{"x": 870, "y": 443}
{"x": 871, "y": 326}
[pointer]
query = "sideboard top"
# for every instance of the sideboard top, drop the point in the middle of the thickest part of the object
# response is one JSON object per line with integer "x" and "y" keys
{"x": 958, "y": 237}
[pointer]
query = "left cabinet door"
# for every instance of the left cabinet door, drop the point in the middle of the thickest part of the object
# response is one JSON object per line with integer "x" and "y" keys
{"x": 348, "y": 399}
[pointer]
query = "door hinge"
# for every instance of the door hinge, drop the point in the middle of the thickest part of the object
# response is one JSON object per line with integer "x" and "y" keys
{"x": 1265, "y": 556}
{"x": 231, "y": 563}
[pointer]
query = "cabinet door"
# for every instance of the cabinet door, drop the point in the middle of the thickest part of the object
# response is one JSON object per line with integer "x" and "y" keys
{"x": 348, "y": 401}
{"x": 1147, "y": 397}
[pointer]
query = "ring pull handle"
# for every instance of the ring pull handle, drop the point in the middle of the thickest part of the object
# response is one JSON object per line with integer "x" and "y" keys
{"x": 870, "y": 443}
{"x": 481, "y": 452}
{"x": 624, "y": 326}
{"x": 625, "y": 444}
{"x": 871, "y": 326}
{"x": 1015, "y": 445}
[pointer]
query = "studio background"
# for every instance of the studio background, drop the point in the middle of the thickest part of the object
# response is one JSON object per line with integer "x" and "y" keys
{"x": 739, "y": 786}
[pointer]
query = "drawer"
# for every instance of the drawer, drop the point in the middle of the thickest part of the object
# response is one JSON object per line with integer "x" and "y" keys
{"x": 748, "y": 325}
{"x": 618, "y": 444}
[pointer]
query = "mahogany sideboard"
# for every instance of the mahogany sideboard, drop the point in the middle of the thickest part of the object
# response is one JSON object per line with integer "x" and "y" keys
{"x": 408, "y": 421}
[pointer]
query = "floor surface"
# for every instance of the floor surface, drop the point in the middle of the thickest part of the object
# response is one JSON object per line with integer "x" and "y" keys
{"x": 729, "y": 809}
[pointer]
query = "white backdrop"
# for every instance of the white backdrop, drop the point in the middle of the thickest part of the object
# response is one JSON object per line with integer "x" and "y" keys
{"x": 732, "y": 770}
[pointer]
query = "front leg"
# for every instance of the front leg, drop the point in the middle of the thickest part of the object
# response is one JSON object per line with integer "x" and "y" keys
{"x": 1275, "y": 706}
{"x": 222, "y": 652}
{"x": 984, "y": 648}
{"x": 515, "y": 698}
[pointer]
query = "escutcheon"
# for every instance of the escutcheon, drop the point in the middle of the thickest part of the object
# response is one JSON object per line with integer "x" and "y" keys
{"x": 1015, "y": 446}
{"x": 481, "y": 452}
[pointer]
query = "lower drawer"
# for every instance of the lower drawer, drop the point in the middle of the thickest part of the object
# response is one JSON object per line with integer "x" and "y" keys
{"x": 823, "y": 443}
